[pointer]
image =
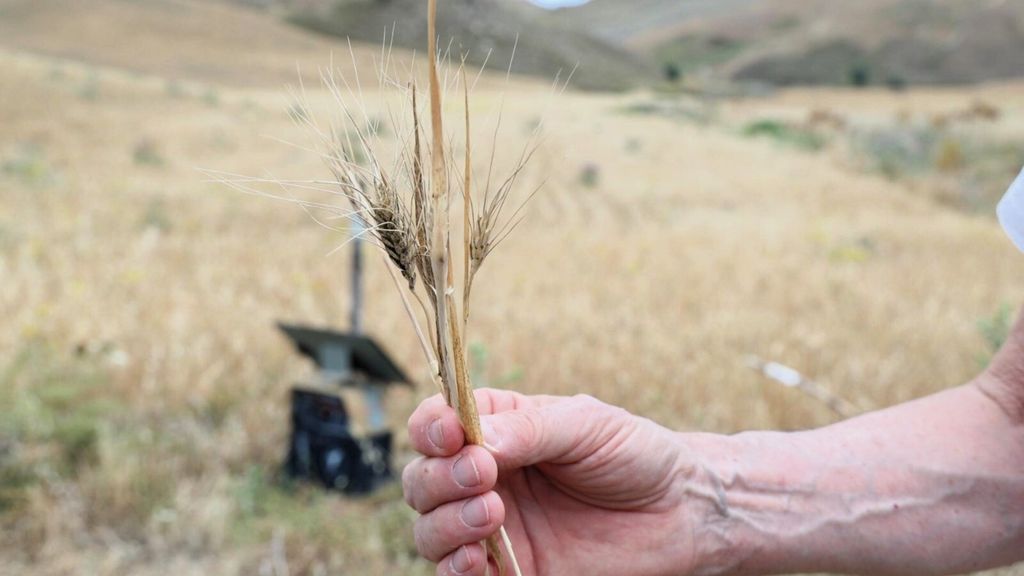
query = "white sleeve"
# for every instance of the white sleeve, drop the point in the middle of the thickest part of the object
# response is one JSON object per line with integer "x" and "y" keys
{"x": 1011, "y": 212}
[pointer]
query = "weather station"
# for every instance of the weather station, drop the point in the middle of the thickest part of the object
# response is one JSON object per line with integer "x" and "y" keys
{"x": 330, "y": 445}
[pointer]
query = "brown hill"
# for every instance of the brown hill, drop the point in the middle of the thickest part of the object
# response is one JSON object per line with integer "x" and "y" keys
{"x": 821, "y": 41}
{"x": 632, "y": 23}
{"x": 186, "y": 39}
{"x": 544, "y": 46}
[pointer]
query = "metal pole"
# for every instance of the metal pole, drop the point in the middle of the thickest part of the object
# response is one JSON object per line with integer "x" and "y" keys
{"x": 374, "y": 395}
{"x": 356, "y": 313}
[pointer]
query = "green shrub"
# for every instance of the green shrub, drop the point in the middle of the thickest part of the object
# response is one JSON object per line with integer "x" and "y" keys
{"x": 156, "y": 216}
{"x": 899, "y": 151}
{"x": 174, "y": 89}
{"x": 692, "y": 53}
{"x": 52, "y": 412}
{"x": 90, "y": 88}
{"x": 671, "y": 72}
{"x": 147, "y": 153}
{"x": 785, "y": 134}
{"x": 974, "y": 168}
{"x": 859, "y": 75}
{"x": 211, "y": 98}
{"x": 673, "y": 108}
{"x": 896, "y": 83}
{"x": 28, "y": 163}
{"x": 590, "y": 175}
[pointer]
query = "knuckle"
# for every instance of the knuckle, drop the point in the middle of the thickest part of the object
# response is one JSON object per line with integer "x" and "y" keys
{"x": 531, "y": 427}
{"x": 595, "y": 407}
{"x": 442, "y": 531}
{"x": 420, "y": 484}
{"x": 484, "y": 400}
{"x": 586, "y": 401}
{"x": 408, "y": 483}
{"x": 425, "y": 535}
{"x": 423, "y": 488}
{"x": 616, "y": 413}
{"x": 418, "y": 538}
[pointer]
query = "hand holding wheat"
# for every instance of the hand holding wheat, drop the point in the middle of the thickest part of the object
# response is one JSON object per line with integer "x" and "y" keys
{"x": 585, "y": 488}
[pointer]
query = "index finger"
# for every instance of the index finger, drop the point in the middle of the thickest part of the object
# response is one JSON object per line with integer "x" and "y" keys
{"x": 434, "y": 427}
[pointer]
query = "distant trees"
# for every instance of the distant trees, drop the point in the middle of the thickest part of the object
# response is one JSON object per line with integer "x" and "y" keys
{"x": 859, "y": 75}
{"x": 671, "y": 72}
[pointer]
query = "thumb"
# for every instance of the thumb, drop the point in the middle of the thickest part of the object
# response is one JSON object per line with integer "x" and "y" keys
{"x": 556, "y": 433}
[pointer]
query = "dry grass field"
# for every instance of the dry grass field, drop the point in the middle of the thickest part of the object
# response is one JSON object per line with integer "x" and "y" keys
{"x": 143, "y": 386}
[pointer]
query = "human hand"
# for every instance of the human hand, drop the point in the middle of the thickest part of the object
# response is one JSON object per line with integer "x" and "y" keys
{"x": 582, "y": 487}
{"x": 588, "y": 489}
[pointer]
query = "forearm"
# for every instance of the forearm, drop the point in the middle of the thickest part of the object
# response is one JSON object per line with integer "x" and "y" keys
{"x": 935, "y": 486}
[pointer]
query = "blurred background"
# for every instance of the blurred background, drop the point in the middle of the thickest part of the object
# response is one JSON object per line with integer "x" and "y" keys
{"x": 807, "y": 182}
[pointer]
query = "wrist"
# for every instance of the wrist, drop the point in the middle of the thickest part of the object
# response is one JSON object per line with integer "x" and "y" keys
{"x": 1003, "y": 380}
{"x": 724, "y": 542}
{"x": 755, "y": 509}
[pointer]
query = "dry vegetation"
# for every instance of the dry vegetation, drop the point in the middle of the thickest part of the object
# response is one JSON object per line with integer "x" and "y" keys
{"x": 143, "y": 387}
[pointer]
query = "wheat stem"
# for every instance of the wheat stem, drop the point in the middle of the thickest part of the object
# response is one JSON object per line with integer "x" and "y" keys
{"x": 467, "y": 206}
{"x": 432, "y": 331}
{"x": 439, "y": 253}
{"x": 452, "y": 348}
{"x": 511, "y": 553}
{"x": 424, "y": 344}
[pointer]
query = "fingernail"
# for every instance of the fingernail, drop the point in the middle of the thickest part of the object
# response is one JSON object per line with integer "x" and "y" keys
{"x": 435, "y": 433}
{"x": 466, "y": 473}
{"x": 475, "y": 513}
{"x": 460, "y": 562}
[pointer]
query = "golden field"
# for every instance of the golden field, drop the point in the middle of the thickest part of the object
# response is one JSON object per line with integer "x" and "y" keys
{"x": 143, "y": 385}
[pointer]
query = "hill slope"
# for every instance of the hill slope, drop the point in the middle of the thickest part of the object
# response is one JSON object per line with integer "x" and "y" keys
{"x": 545, "y": 46}
{"x": 821, "y": 41}
{"x": 629, "y": 23}
{"x": 180, "y": 39}
{"x": 894, "y": 41}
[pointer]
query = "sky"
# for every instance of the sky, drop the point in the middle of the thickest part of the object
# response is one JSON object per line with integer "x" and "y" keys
{"x": 558, "y": 3}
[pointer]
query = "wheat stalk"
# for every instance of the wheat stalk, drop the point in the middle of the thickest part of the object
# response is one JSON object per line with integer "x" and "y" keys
{"x": 455, "y": 376}
{"x": 406, "y": 213}
{"x": 408, "y": 216}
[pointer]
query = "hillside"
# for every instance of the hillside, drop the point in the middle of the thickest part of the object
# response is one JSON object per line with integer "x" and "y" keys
{"x": 785, "y": 42}
{"x": 894, "y": 42}
{"x": 629, "y": 23}
{"x": 177, "y": 39}
{"x": 546, "y": 47}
